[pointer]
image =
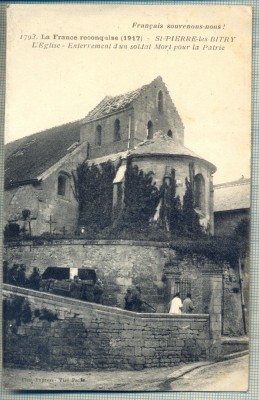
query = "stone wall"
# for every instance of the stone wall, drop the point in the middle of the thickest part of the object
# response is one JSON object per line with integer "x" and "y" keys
{"x": 44, "y": 201}
{"x": 225, "y": 222}
{"x": 159, "y": 165}
{"x": 232, "y": 310}
{"x": 152, "y": 266}
{"x": 133, "y": 122}
{"x": 146, "y": 109}
{"x": 108, "y": 145}
{"x": 87, "y": 336}
{"x": 119, "y": 264}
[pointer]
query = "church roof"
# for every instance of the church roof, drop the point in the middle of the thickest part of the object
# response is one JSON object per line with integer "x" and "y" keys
{"x": 110, "y": 105}
{"x": 27, "y": 158}
{"x": 162, "y": 144}
{"x": 232, "y": 195}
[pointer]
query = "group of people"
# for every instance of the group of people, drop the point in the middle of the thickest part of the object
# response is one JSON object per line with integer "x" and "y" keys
{"x": 133, "y": 300}
{"x": 81, "y": 290}
{"x": 16, "y": 275}
{"x": 176, "y": 306}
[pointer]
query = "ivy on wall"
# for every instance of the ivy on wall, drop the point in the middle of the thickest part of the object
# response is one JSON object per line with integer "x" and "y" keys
{"x": 16, "y": 310}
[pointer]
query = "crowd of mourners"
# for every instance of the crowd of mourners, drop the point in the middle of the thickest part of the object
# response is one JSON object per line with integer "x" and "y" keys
{"x": 88, "y": 290}
{"x": 77, "y": 288}
{"x": 16, "y": 275}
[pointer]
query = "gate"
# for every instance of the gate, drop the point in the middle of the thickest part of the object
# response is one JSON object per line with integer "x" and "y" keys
{"x": 183, "y": 286}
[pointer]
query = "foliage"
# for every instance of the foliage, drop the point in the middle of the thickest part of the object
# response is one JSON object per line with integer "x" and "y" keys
{"x": 12, "y": 231}
{"x": 46, "y": 314}
{"x": 242, "y": 230}
{"x": 17, "y": 309}
{"x": 217, "y": 249}
{"x": 141, "y": 198}
{"x": 191, "y": 220}
{"x": 95, "y": 191}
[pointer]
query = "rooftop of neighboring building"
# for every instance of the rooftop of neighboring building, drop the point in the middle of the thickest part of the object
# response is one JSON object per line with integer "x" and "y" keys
{"x": 232, "y": 196}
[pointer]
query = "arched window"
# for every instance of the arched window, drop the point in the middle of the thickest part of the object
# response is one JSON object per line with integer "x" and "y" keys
{"x": 149, "y": 130}
{"x": 98, "y": 135}
{"x": 117, "y": 128}
{"x": 170, "y": 133}
{"x": 63, "y": 186}
{"x": 160, "y": 103}
{"x": 199, "y": 192}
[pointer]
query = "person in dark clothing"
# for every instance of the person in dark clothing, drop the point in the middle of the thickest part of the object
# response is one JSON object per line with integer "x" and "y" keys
{"x": 187, "y": 305}
{"x": 76, "y": 288}
{"x": 87, "y": 291}
{"x": 5, "y": 272}
{"x": 21, "y": 276}
{"x": 137, "y": 301}
{"x": 128, "y": 300}
{"x": 12, "y": 275}
{"x": 35, "y": 279}
{"x": 98, "y": 291}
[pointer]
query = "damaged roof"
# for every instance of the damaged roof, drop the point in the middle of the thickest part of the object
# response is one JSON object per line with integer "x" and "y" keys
{"x": 110, "y": 105}
{"x": 27, "y": 158}
{"x": 232, "y": 195}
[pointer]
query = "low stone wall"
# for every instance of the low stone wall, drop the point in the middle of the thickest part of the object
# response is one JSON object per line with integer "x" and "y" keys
{"x": 88, "y": 336}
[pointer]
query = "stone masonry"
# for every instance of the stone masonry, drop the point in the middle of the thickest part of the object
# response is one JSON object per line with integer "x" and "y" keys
{"x": 89, "y": 336}
{"x": 151, "y": 265}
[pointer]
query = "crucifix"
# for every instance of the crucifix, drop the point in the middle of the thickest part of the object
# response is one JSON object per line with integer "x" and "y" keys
{"x": 50, "y": 222}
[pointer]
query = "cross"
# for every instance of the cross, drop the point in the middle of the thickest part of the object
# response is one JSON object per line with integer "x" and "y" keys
{"x": 50, "y": 222}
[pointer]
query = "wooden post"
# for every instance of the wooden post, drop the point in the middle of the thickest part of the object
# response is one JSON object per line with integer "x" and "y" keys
{"x": 242, "y": 295}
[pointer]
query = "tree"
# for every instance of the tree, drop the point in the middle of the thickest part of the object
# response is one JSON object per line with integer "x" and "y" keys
{"x": 141, "y": 197}
{"x": 12, "y": 230}
{"x": 191, "y": 220}
{"x": 94, "y": 190}
{"x": 171, "y": 209}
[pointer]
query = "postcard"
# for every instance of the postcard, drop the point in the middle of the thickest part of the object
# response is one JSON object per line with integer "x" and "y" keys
{"x": 127, "y": 198}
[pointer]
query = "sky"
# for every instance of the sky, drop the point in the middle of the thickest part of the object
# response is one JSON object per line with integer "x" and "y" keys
{"x": 210, "y": 87}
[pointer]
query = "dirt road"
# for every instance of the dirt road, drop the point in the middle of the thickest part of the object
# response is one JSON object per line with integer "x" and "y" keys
{"x": 226, "y": 376}
{"x": 229, "y": 375}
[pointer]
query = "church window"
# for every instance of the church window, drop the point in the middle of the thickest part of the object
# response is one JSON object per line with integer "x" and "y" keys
{"x": 98, "y": 135}
{"x": 199, "y": 192}
{"x": 149, "y": 130}
{"x": 63, "y": 184}
{"x": 170, "y": 133}
{"x": 160, "y": 102}
{"x": 117, "y": 134}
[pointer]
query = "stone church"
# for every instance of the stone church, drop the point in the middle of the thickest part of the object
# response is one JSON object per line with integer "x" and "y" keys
{"x": 142, "y": 125}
